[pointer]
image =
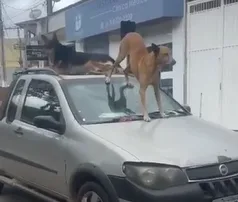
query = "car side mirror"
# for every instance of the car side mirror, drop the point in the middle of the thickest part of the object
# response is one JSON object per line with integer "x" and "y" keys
{"x": 49, "y": 123}
{"x": 187, "y": 107}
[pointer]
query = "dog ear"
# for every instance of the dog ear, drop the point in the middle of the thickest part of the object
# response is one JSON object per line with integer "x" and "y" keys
{"x": 155, "y": 48}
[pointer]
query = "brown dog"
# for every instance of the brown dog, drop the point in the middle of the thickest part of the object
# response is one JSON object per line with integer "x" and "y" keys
{"x": 144, "y": 65}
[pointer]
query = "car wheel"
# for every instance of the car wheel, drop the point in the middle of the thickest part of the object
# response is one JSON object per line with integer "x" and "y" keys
{"x": 1, "y": 187}
{"x": 92, "y": 192}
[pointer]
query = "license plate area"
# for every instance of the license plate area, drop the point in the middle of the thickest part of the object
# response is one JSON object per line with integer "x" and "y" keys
{"x": 227, "y": 199}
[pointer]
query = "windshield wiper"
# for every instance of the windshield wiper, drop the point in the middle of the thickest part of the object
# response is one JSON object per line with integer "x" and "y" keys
{"x": 155, "y": 114}
{"x": 119, "y": 119}
{"x": 168, "y": 113}
{"x": 176, "y": 112}
{"x": 137, "y": 117}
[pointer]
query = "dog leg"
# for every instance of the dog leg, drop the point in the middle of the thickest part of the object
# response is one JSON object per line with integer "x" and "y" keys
{"x": 158, "y": 98}
{"x": 121, "y": 56}
{"x": 126, "y": 72}
{"x": 143, "y": 102}
{"x": 108, "y": 78}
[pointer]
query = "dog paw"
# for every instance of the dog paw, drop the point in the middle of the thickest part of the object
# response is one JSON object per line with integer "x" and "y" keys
{"x": 163, "y": 115}
{"x": 130, "y": 85}
{"x": 147, "y": 118}
{"x": 107, "y": 80}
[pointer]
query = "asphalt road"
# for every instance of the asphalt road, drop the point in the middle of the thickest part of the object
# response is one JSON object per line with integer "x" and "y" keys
{"x": 14, "y": 195}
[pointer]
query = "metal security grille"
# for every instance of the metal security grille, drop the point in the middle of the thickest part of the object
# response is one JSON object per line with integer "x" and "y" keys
{"x": 230, "y": 1}
{"x": 209, "y": 5}
{"x": 205, "y": 6}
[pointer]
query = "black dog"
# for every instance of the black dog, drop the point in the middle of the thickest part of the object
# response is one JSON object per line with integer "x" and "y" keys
{"x": 66, "y": 60}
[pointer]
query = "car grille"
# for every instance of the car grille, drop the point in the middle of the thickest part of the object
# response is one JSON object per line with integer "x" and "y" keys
{"x": 211, "y": 171}
{"x": 220, "y": 188}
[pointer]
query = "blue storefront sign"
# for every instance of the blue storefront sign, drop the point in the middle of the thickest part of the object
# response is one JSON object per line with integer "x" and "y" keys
{"x": 94, "y": 17}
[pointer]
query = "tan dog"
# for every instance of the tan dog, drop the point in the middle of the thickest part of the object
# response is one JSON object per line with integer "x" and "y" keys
{"x": 144, "y": 65}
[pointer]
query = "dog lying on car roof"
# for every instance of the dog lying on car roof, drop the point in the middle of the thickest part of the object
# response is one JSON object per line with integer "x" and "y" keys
{"x": 65, "y": 60}
{"x": 144, "y": 64}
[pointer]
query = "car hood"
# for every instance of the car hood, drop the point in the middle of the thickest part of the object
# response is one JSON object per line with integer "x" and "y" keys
{"x": 182, "y": 141}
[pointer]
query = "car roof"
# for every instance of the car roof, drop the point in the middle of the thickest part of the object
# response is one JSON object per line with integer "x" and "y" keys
{"x": 56, "y": 76}
{"x": 69, "y": 77}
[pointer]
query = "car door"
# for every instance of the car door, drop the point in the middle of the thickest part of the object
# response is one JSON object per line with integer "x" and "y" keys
{"x": 39, "y": 151}
{"x": 8, "y": 130}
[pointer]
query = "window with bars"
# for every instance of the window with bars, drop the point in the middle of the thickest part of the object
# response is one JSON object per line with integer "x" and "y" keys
{"x": 167, "y": 86}
{"x": 209, "y": 5}
{"x": 230, "y": 1}
{"x": 205, "y": 6}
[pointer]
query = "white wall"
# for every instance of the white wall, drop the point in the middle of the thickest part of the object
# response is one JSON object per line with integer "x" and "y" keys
{"x": 57, "y": 21}
{"x": 178, "y": 38}
{"x": 169, "y": 31}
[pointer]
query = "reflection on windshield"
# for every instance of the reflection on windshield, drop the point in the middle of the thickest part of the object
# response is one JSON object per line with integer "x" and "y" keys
{"x": 96, "y": 102}
{"x": 119, "y": 105}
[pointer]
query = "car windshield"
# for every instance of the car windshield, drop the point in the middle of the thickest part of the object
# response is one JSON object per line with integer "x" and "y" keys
{"x": 92, "y": 101}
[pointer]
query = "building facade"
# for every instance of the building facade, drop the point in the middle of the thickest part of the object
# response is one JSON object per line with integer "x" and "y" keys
{"x": 212, "y": 59}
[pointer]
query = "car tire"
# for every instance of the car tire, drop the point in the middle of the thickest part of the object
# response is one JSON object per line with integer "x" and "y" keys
{"x": 1, "y": 187}
{"x": 89, "y": 188}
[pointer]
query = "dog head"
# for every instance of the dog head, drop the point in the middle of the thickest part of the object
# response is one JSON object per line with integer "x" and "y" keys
{"x": 163, "y": 55}
{"x": 50, "y": 45}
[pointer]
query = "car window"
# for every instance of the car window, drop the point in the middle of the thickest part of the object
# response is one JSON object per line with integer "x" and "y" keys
{"x": 41, "y": 100}
{"x": 12, "y": 109}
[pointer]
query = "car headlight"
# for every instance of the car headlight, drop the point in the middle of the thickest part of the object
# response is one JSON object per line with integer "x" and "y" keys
{"x": 154, "y": 176}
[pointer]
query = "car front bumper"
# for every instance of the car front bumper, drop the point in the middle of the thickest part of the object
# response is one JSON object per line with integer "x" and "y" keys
{"x": 194, "y": 192}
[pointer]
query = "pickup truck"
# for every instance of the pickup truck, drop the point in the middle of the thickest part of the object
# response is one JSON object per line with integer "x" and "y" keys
{"x": 74, "y": 138}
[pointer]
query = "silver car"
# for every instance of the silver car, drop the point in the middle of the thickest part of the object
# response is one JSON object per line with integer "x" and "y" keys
{"x": 74, "y": 138}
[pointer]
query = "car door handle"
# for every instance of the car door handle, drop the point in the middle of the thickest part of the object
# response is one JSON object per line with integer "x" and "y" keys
{"x": 18, "y": 131}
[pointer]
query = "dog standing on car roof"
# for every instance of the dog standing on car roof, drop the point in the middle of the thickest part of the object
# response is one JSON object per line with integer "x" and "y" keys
{"x": 144, "y": 65}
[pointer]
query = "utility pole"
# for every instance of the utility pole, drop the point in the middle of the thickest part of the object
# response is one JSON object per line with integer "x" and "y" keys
{"x": 49, "y": 5}
{"x": 26, "y": 42}
{"x": 49, "y": 11}
{"x": 3, "y": 63}
{"x": 20, "y": 46}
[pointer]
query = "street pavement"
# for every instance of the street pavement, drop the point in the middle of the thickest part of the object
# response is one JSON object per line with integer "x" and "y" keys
{"x": 14, "y": 195}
